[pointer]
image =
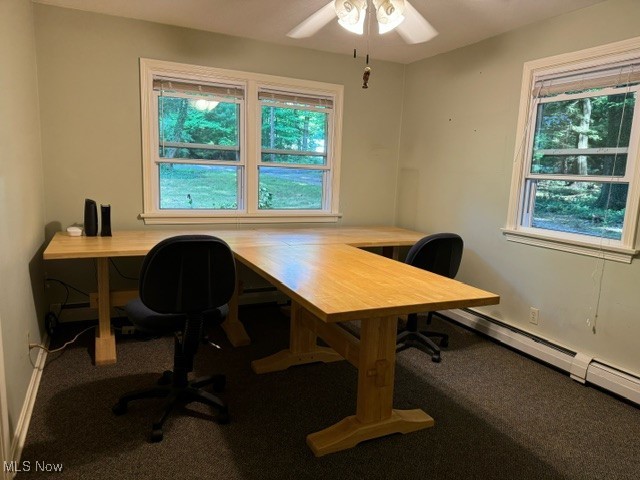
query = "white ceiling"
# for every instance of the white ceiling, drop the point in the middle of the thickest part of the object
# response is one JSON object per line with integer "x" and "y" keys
{"x": 460, "y": 22}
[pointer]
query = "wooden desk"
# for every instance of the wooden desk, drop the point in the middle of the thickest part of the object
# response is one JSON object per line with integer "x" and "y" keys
{"x": 331, "y": 283}
{"x": 131, "y": 244}
{"x": 138, "y": 243}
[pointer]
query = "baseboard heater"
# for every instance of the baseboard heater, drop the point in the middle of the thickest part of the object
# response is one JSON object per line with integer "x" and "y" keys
{"x": 580, "y": 367}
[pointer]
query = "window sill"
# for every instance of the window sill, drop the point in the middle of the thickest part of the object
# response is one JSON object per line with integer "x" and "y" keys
{"x": 608, "y": 252}
{"x": 196, "y": 218}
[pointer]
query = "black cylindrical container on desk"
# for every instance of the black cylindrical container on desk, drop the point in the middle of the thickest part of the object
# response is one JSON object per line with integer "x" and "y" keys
{"x": 105, "y": 220}
{"x": 90, "y": 218}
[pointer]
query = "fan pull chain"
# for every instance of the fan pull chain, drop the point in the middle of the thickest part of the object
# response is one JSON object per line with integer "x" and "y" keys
{"x": 365, "y": 77}
{"x": 367, "y": 70}
{"x": 366, "y": 74}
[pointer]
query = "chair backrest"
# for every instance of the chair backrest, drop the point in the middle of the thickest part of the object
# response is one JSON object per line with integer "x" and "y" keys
{"x": 440, "y": 253}
{"x": 188, "y": 274}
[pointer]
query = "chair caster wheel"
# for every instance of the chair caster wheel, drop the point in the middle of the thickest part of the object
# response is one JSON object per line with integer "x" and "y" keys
{"x": 156, "y": 435}
{"x": 435, "y": 358}
{"x": 222, "y": 418}
{"x": 119, "y": 408}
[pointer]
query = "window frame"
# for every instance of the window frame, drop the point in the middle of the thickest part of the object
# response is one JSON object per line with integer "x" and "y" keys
{"x": 326, "y": 167}
{"x": 622, "y": 250}
{"x": 157, "y": 160}
{"x": 250, "y": 146}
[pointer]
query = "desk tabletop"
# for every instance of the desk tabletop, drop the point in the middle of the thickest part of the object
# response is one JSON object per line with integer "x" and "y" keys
{"x": 337, "y": 282}
{"x": 355, "y": 236}
{"x": 318, "y": 267}
{"x": 139, "y": 242}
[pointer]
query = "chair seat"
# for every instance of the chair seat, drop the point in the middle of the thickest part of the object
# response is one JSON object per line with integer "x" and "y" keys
{"x": 151, "y": 322}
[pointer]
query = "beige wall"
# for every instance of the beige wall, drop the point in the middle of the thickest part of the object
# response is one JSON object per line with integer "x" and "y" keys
{"x": 21, "y": 200}
{"x": 453, "y": 169}
{"x": 88, "y": 67}
{"x": 90, "y": 104}
{"x": 457, "y": 150}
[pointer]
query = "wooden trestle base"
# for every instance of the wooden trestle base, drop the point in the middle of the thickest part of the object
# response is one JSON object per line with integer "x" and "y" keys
{"x": 348, "y": 432}
{"x": 374, "y": 357}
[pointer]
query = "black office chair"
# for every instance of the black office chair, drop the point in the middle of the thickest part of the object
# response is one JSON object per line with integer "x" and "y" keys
{"x": 440, "y": 253}
{"x": 183, "y": 278}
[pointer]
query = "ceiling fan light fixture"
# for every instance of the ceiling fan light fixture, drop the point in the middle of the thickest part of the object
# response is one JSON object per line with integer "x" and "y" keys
{"x": 389, "y": 13}
{"x": 351, "y": 14}
{"x": 357, "y": 28}
{"x": 398, "y": 15}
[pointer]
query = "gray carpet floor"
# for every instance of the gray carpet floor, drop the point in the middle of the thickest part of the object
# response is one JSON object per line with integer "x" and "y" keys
{"x": 498, "y": 415}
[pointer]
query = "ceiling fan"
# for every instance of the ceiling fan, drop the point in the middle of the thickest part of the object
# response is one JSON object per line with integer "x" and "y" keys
{"x": 397, "y": 15}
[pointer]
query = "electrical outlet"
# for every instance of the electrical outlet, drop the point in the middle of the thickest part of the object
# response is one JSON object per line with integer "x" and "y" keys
{"x": 533, "y": 315}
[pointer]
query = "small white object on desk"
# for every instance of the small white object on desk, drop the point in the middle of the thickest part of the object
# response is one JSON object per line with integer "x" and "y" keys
{"x": 74, "y": 231}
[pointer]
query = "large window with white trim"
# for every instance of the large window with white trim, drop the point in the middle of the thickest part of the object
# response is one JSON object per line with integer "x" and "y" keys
{"x": 228, "y": 146}
{"x": 576, "y": 182}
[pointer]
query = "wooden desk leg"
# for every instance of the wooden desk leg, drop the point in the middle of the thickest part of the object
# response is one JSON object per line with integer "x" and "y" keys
{"x": 232, "y": 326}
{"x": 105, "y": 340}
{"x": 302, "y": 348}
{"x": 375, "y": 416}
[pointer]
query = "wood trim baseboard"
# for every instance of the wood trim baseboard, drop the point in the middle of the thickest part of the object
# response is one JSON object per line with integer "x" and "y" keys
{"x": 24, "y": 420}
{"x": 4, "y": 413}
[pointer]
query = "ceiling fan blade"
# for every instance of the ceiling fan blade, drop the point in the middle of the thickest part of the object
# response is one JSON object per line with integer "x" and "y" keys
{"x": 414, "y": 28}
{"x": 315, "y": 22}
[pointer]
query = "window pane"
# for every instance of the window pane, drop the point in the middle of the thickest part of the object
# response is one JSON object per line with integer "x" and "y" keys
{"x": 199, "y": 121}
{"x": 186, "y": 186}
{"x": 299, "y": 159}
{"x": 294, "y": 129}
{"x": 592, "y": 122}
{"x": 587, "y": 208}
{"x": 613, "y": 165}
{"x": 290, "y": 188}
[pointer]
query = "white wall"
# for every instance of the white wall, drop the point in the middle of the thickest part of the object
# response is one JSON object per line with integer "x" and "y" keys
{"x": 457, "y": 150}
{"x": 21, "y": 200}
